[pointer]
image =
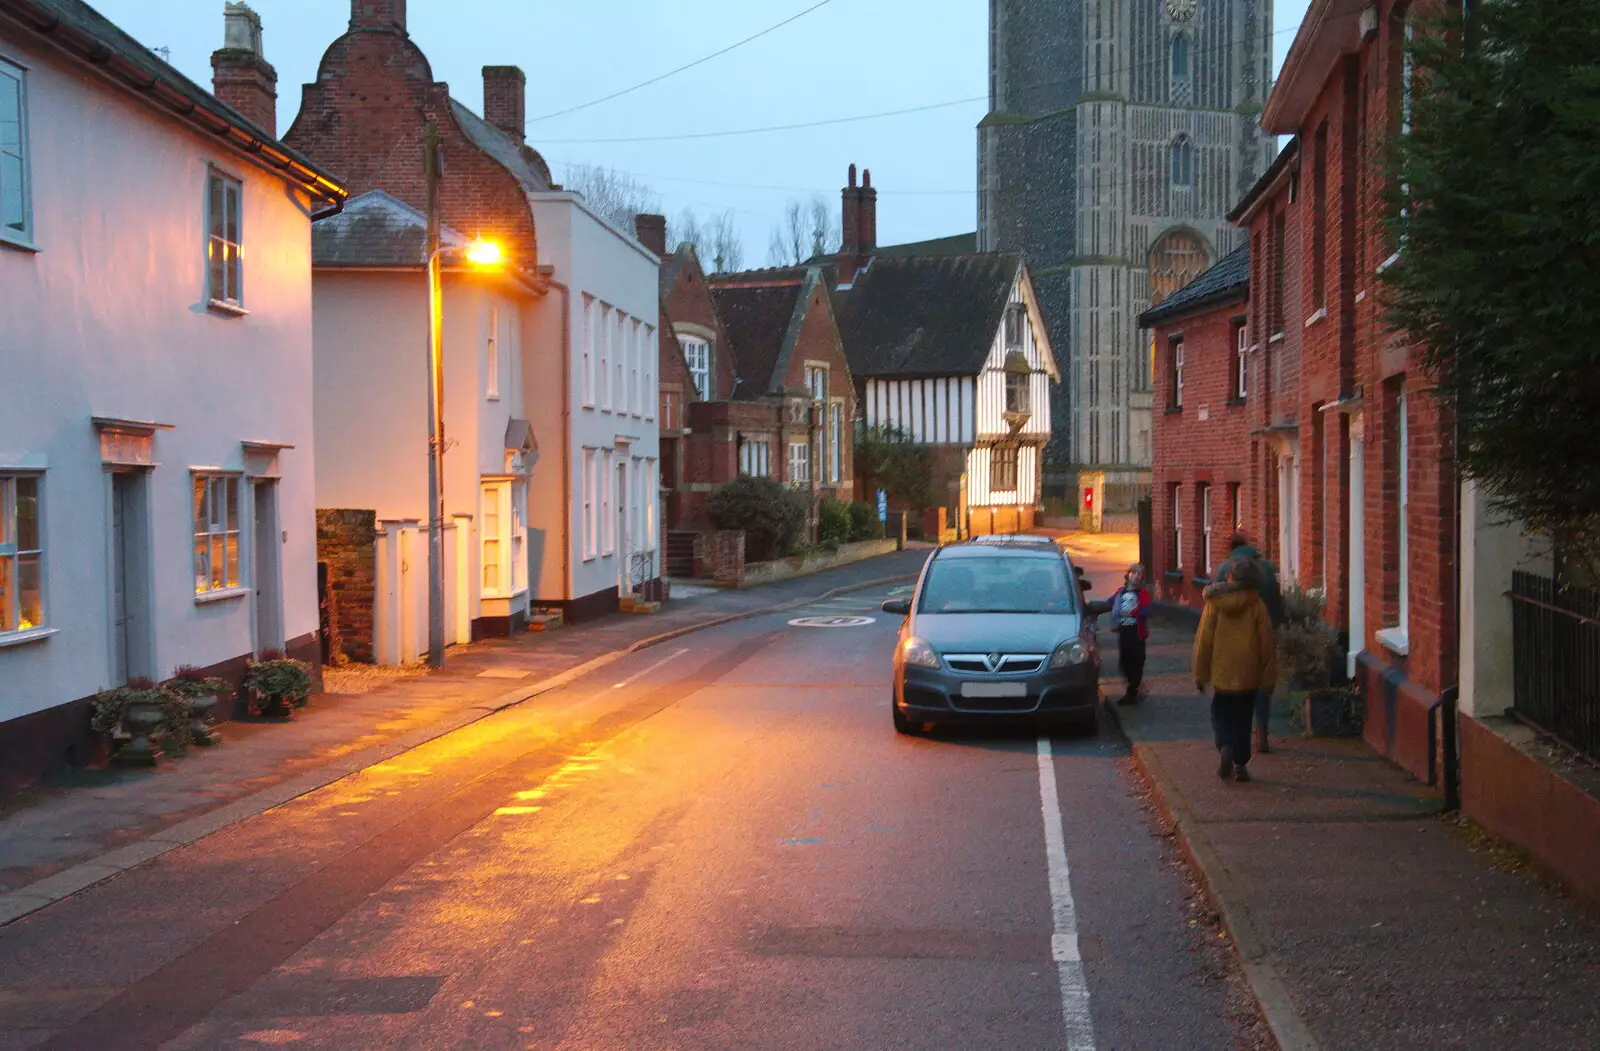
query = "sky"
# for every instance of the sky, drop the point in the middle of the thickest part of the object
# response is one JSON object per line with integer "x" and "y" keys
{"x": 843, "y": 59}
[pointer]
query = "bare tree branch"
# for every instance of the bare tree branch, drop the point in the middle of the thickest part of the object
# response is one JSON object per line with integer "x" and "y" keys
{"x": 616, "y": 196}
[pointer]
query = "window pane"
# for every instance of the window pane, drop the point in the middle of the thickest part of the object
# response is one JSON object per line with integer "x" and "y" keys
{"x": 215, "y": 269}
{"x": 1002, "y": 584}
{"x": 232, "y": 542}
{"x": 214, "y": 212}
{"x": 11, "y": 210}
{"x": 30, "y": 593}
{"x": 202, "y": 571}
{"x": 231, "y": 487}
{"x": 216, "y": 562}
{"x": 7, "y": 510}
{"x": 491, "y": 565}
{"x": 201, "y": 521}
{"x": 27, "y": 494}
{"x": 231, "y": 276}
{"x": 10, "y": 113}
{"x": 232, "y": 213}
{"x": 7, "y": 593}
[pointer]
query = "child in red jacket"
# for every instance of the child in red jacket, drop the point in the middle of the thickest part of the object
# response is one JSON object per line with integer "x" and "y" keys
{"x": 1130, "y": 613}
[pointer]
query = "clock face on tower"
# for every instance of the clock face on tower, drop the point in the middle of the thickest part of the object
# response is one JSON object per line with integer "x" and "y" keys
{"x": 1180, "y": 10}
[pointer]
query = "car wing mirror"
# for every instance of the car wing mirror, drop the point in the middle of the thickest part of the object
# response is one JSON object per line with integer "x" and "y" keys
{"x": 898, "y": 605}
{"x": 1098, "y": 607}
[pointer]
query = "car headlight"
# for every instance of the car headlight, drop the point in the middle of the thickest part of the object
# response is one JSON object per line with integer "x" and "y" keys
{"x": 915, "y": 651}
{"x": 1069, "y": 653}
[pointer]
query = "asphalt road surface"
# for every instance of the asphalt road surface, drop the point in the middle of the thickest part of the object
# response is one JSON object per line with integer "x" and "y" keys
{"x": 719, "y": 842}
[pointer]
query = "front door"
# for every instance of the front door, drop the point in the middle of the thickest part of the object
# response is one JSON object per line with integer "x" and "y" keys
{"x": 1357, "y": 615}
{"x": 119, "y": 579}
{"x": 624, "y": 541}
{"x": 264, "y": 571}
{"x": 130, "y": 592}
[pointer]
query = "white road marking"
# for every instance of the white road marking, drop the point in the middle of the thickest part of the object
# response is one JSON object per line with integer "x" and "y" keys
{"x": 1064, "y": 935}
{"x": 831, "y": 622}
{"x": 639, "y": 675}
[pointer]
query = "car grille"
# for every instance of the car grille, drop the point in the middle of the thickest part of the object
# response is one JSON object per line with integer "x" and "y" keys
{"x": 994, "y": 704}
{"x": 995, "y": 663}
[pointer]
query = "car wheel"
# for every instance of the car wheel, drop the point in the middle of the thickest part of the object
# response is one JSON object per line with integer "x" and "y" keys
{"x": 901, "y": 723}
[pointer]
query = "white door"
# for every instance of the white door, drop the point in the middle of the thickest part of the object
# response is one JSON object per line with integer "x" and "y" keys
{"x": 130, "y": 587}
{"x": 119, "y": 580}
{"x": 624, "y": 541}
{"x": 1357, "y": 616}
{"x": 264, "y": 567}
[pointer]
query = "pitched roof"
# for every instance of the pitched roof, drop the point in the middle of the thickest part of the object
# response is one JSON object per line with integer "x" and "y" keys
{"x": 756, "y": 323}
{"x": 376, "y": 229}
{"x": 955, "y": 244}
{"x": 523, "y": 162}
{"x": 85, "y": 25}
{"x": 1226, "y": 280}
{"x": 673, "y": 265}
{"x": 926, "y": 315}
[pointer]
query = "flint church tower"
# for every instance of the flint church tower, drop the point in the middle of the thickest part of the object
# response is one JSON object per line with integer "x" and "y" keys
{"x": 1119, "y": 135}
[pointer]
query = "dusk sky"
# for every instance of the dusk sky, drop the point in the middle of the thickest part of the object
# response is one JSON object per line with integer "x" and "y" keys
{"x": 843, "y": 59}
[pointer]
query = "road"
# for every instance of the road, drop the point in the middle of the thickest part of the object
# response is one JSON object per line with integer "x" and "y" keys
{"x": 718, "y": 842}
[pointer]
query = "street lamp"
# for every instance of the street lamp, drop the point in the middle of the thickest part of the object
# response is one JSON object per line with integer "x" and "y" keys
{"x": 486, "y": 255}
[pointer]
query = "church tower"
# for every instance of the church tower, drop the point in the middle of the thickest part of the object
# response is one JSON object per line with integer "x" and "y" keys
{"x": 1119, "y": 135}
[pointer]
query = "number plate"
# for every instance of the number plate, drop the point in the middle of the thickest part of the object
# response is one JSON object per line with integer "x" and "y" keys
{"x": 994, "y": 689}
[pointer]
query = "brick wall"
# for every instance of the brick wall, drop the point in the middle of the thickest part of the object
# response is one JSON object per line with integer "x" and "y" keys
{"x": 1203, "y": 442}
{"x": 346, "y": 543}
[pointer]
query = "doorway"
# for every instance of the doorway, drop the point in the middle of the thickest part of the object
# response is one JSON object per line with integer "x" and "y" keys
{"x": 624, "y": 541}
{"x": 1357, "y": 614}
{"x": 264, "y": 569}
{"x": 130, "y": 578}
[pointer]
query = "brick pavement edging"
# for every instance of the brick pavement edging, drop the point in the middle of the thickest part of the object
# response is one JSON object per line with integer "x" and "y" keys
{"x": 1272, "y": 995}
{"x": 69, "y": 881}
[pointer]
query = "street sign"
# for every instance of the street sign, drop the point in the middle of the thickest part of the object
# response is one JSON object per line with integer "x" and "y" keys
{"x": 883, "y": 505}
{"x": 831, "y": 622}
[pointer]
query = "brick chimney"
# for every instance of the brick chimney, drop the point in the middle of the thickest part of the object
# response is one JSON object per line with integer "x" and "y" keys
{"x": 859, "y": 225}
{"x": 651, "y": 230}
{"x": 240, "y": 76}
{"x": 505, "y": 99}
{"x": 378, "y": 14}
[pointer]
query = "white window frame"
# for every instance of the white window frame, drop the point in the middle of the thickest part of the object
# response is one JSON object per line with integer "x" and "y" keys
{"x": 216, "y": 530}
{"x": 1177, "y": 529}
{"x": 1398, "y": 636}
{"x": 502, "y": 508}
{"x": 13, "y": 555}
{"x": 586, "y": 371}
{"x": 21, "y": 234}
{"x": 1234, "y": 509}
{"x": 799, "y": 463}
{"x": 755, "y": 457}
{"x": 1241, "y": 354}
{"x": 591, "y": 541}
{"x": 619, "y": 364}
{"x": 635, "y": 370}
{"x": 492, "y": 375}
{"x": 607, "y": 486}
{"x": 817, "y": 382}
{"x": 651, "y": 395}
{"x": 1205, "y": 530}
{"x": 603, "y": 379}
{"x": 836, "y": 442}
{"x": 697, "y": 357}
{"x": 231, "y": 293}
{"x": 651, "y": 501}
{"x": 1177, "y": 373}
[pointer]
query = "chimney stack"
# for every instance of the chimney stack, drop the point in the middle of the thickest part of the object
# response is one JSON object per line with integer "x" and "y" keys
{"x": 859, "y": 222}
{"x": 505, "y": 100}
{"x": 378, "y": 14}
{"x": 651, "y": 230}
{"x": 240, "y": 76}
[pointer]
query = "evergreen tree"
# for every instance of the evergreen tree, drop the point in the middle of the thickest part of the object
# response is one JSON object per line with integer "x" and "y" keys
{"x": 1495, "y": 197}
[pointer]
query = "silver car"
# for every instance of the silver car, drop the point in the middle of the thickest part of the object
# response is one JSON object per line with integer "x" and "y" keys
{"x": 997, "y": 629}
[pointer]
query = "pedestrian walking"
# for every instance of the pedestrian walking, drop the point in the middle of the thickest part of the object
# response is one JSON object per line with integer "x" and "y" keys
{"x": 1236, "y": 654}
{"x": 1130, "y": 617}
{"x": 1241, "y": 550}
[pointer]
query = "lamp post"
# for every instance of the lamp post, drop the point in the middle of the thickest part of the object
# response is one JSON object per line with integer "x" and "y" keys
{"x": 480, "y": 253}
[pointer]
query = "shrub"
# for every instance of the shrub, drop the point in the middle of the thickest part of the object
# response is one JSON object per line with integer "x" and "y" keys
{"x": 770, "y": 515}
{"x": 110, "y": 706}
{"x": 1305, "y": 642}
{"x": 864, "y": 524}
{"x": 834, "y": 522}
{"x": 281, "y": 678}
{"x": 189, "y": 681}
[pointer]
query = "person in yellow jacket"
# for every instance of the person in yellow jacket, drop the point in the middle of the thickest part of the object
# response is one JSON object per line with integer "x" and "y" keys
{"x": 1236, "y": 654}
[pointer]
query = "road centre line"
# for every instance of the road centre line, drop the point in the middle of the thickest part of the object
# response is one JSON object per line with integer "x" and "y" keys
{"x": 630, "y": 680}
{"x": 1064, "y": 932}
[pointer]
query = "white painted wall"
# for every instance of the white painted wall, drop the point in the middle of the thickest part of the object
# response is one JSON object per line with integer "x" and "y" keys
{"x": 371, "y": 397}
{"x": 108, "y": 318}
{"x": 939, "y": 410}
{"x": 592, "y": 258}
{"x": 991, "y": 393}
{"x": 1492, "y": 548}
{"x": 1029, "y": 481}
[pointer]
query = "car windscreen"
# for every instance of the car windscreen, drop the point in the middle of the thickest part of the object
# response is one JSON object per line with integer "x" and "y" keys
{"x": 997, "y": 584}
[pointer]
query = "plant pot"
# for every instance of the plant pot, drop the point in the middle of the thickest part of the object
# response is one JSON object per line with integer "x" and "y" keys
{"x": 280, "y": 709}
{"x": 1332, "y": 713}
{"x": 141, "y": 720}
{"x": 200, "y": 732}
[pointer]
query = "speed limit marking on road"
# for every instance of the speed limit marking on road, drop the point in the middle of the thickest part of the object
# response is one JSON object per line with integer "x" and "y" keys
{"x": 831, "y": 622}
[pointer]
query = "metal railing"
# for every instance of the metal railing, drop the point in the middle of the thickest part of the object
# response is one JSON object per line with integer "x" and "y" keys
{"x": 1555, "y": 632}
{"x": 641, "y": 568}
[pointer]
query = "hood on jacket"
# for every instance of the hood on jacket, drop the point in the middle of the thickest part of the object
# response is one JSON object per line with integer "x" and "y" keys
{"x": 1229, "y": 598}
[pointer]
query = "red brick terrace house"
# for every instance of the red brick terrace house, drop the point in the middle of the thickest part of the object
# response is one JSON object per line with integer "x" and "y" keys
{"x": 1202, "y": 425}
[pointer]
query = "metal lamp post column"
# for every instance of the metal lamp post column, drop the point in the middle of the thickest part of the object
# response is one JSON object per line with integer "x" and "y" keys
{"x": 435, "y": 410}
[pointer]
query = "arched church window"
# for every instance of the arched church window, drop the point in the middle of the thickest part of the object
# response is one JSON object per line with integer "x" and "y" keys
{"x": 1183, "y": 162}
{"x": 1180, "y": 56}
{"x": 1175, "y": 260}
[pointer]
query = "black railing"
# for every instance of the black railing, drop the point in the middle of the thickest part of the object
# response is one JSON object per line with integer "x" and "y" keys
{"x": 1555, "y": 633}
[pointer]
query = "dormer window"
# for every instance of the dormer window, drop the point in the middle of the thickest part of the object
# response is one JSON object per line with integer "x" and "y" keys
{"x": 1014, "y": 325}
{"x": 1018, "y": 382}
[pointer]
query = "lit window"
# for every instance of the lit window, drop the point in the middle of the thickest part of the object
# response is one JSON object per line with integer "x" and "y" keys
{"x": 224, "y": 261}
{"x": 21, "y": 555}
{"x": 503, "y": 535}
{"x": 15, "y": 207}
{"x": 216, "y": 532}
{"x": 1003, "y": 468}
{"x": 697, "y": 356}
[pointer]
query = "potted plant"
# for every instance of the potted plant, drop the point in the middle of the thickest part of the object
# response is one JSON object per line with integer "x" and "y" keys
{"x": 1305, "y": 662}
{"x": 199, "y": 694}
{"x": 276, "y": 685}
{"x": 140, "y": 709}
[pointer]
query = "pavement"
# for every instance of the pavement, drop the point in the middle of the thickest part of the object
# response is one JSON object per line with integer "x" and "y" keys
{"x": 1365, "y": 918}
{"x": 718, "y": 841}
{"x": 56, "y": 840}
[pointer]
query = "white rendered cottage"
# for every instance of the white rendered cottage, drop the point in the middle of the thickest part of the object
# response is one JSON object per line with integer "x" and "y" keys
{"x": 156, "y": 491}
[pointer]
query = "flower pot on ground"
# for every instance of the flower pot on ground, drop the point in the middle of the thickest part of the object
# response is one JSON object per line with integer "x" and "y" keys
{"x": 277, "y": 685}
{"x": 199, "y": 693}
{"x": 140, "y": 709}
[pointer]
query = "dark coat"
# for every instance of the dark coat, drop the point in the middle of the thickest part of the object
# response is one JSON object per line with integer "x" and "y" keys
{"x": 1269, "y": 590}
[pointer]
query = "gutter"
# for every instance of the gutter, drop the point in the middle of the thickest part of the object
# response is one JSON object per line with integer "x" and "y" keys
{"x": 265, "y": 151}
